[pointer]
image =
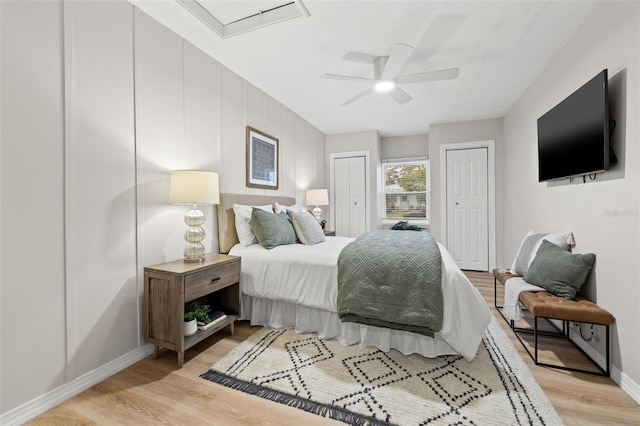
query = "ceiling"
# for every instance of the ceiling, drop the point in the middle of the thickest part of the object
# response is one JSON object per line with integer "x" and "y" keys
{"x": 499, "y": 46}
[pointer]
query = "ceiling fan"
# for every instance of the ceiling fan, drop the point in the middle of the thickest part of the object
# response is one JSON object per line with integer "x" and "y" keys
{"x": 386, "y": 78}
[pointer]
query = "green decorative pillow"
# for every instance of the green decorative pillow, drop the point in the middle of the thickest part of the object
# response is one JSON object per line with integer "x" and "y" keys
{"x": 558, "y": 271}
{"x": 272, "y": 229}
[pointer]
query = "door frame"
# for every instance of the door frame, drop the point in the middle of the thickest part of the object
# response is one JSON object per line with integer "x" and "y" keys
{"x": 367, "y": 182}
{"x": 491, "y": 190}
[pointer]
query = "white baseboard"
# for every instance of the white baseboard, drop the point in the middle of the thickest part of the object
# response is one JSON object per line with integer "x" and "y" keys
{"x": 39, "y": 405}
{"x": 629, "y": 386}
{"x": 626, "y": 384}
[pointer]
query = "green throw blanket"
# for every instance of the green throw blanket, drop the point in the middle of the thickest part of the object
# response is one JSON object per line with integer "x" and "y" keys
{"x": 403, "y": 225}
{"x": 392, "y": 279}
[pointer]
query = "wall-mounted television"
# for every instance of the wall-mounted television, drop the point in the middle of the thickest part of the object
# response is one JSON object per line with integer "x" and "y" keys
{"x": 573, "y": 137}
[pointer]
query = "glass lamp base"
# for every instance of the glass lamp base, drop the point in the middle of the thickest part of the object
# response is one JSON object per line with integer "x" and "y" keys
{"x": 193, "y": 258}
{"x": 194, "y": 249}
{"x": 193, "y": 253}
{"x": 317, "y": 213}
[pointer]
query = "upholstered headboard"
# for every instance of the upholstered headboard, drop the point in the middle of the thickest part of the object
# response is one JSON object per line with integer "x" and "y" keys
{"x": 227, "y": 236}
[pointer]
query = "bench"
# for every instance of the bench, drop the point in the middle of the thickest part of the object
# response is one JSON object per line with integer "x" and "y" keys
{"x": 551, "y": 307}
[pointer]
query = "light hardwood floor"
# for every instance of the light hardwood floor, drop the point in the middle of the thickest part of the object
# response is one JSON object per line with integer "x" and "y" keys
{"x": 153, "y": 391}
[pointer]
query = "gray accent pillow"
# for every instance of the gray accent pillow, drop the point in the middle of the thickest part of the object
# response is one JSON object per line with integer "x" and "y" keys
{"x": 559, "y": 271}
{"x": 529, "y": 246}
{"x": 521, "y": 262}
{"x": 307, "y": 228}
{"x": 272, "y": 229}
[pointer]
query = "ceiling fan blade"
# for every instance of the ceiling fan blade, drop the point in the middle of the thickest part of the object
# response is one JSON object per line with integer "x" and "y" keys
{"x": 346, "y": 77}
{"x": 356, "y": 97}
{"x": 379, "y": 64}
{"x": 399, "y": 56}
{"x": 446, "y": 74}
{"x": 400, "y": 96}
{"x": 361, "y": 57}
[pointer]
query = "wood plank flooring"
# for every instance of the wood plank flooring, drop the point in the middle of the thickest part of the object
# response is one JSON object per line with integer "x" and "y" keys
{"x": 154, "y": 392}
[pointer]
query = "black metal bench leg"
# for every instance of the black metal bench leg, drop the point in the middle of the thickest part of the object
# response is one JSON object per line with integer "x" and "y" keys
{"x": 607, "y": 372}
{"x": 534, "y": 356}
{"x": 535, "y": 339}
{"x": 495, "y": 293}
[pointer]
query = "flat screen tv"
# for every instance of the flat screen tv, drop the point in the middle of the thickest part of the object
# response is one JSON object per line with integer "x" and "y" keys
{"x": 573, "y": 137}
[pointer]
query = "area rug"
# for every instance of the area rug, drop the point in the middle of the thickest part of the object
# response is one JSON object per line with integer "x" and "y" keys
{"x": 365, "y": 386}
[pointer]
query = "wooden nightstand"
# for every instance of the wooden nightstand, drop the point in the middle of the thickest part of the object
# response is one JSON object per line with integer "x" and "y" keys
{"x": 168, "y": 286}
{"x": 330, "y": 233}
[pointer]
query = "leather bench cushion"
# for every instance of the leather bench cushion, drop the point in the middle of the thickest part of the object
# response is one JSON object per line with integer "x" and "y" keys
{"x": 503, "y": 275}
{"x": 546, "y": 305}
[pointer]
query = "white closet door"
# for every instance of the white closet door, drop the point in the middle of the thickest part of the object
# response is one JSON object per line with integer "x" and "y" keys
{"x": 357, "y": 196}
{"x": 467, "y": 206}
{"x": 341, "y": 196}
{"x": 350, "y": 196}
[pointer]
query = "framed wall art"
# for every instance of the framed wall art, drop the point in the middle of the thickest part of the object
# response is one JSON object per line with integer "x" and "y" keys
{"x": 262, "y": 160}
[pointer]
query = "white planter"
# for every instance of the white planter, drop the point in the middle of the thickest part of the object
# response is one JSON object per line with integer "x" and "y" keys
{"x": 190, "y": 327}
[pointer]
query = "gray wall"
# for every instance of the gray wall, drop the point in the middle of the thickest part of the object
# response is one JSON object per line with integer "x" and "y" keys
{"x": 95, "y": 115}
{"x": 602, "y": 214}
{"x": 404, "y": 147}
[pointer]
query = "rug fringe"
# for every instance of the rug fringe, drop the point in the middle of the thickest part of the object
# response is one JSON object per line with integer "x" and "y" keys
{"x": 324, "y": 410}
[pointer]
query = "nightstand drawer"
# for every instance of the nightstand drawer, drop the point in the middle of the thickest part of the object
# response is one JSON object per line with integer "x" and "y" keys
{"x": 210, "y": 280}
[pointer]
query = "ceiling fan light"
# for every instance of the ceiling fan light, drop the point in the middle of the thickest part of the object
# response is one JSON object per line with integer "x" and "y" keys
{"x": 384, "y": 86}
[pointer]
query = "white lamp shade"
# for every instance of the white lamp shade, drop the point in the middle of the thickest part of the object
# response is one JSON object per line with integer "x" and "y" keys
{"x": 317, "y": 197}
{"x": 194, "y": 187}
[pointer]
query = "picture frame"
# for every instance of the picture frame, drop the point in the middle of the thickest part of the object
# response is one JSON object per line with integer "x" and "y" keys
{"x": 262, "y": 160}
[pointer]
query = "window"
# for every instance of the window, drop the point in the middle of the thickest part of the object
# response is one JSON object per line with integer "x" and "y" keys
{"x": 406, "y": 189}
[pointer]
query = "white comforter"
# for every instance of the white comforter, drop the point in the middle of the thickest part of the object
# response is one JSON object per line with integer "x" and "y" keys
{"x": 308, "y": 276}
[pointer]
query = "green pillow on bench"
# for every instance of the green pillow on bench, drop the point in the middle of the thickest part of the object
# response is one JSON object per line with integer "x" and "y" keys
{"x": 559, "y": 271}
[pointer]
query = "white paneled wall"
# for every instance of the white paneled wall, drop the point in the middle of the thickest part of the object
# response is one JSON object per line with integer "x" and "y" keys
{"x": 303, "y": 165}
{"x": 288, "y": 153}
{"x": 202, "y": 125}
{"x": 202, "y": 109}
{"x": 99, "y": 104}
{"x": 232, "y": 127}
{"x": 160, "y": 131}
{"x": 273, "y": 126}
{"x": 33, "y": 359}
{"x": 99, "y": 184}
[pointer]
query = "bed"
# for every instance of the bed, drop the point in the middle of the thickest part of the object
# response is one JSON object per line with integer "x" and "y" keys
{"x": 295, "y": 287}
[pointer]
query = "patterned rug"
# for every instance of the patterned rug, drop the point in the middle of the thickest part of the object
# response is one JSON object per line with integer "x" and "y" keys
{"x": 365, "y": 386}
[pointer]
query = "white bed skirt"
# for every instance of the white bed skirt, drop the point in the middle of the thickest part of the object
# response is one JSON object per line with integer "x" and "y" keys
{"x": 282, "y": 315}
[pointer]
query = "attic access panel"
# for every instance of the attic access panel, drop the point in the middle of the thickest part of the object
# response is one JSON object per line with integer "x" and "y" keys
{"x": 229, "y": 18}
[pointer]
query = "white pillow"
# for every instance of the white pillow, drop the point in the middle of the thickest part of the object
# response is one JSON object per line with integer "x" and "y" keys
{"x": 529, "y": 247}
{"x": 243, "y": 228}
{"x": 279, "y": 208}
{"x": 307, "y": 228}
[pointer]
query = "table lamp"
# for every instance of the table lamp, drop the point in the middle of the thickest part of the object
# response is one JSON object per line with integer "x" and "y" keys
{"x": 194, "y": 187}
{"x": 317, "y": 197}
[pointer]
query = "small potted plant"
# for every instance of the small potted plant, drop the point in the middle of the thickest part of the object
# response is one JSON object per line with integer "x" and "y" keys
{"x": 194, "y": 312}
